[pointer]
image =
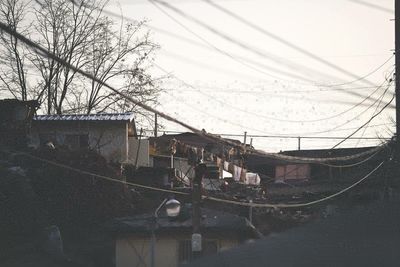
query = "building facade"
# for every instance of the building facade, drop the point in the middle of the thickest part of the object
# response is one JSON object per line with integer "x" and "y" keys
{"x": 114, "y": 136}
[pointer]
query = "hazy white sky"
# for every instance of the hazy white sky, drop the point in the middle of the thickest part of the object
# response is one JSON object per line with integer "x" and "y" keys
{"x": 234, "y": 77}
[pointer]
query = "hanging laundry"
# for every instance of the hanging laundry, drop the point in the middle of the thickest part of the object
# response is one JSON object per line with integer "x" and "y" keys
{"x": 252, "y": 178}
{"x": 226, "y": 165}
{"x": 237, "y": 171}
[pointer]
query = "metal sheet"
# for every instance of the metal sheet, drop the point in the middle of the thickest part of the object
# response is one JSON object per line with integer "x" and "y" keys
{"x": 128, "y": 116}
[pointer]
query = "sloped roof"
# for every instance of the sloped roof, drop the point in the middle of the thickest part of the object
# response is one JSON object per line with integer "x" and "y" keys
{"x": 254, "y": 159}
{"x": 326, "y": 153}
{"x": 191, "y": 139}
{"x": 210, "y": 220}
{"x": 127, "y": 116}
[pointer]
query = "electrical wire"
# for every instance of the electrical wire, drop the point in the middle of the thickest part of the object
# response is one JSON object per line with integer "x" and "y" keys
{"x": 285, "y": 136}
{"x": 179, "y": 37}
{"x": 43, "y": 52}
{"x": 291, "y": 45}
{"x": 329, "y": 87}
{"x": 358, "y": 129}
{"x": 220, "y": 89}
{"x": 231, "y": 56}
{"x": 353, "y": 164}
{"x": 366, "y": 126}
{"x": 255, "y": 51}
{"x": 278, "y": 134}
{"x": 107, "y": 178}
{"x": 268, "y": 117}
{"x": 299, "y": 205}
{"x": 119, "y": 16}
{"x": 235, "y": 41}
{"x": 248, "y": 204}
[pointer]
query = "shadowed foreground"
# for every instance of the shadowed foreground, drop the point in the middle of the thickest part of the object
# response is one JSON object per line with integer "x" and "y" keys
{"x": 367, "y": 236}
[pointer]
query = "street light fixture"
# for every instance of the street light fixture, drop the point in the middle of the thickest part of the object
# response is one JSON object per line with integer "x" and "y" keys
{"x": 173, "y": 208}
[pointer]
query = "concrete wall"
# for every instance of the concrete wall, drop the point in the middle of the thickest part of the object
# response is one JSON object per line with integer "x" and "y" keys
{"x": 135, "y": 251}
{"x": 110, "y": 139}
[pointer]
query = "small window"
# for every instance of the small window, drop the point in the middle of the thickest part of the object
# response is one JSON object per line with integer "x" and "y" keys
{"x": 209, "y": 247}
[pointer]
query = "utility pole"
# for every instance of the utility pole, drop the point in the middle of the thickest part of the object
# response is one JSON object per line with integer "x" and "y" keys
{"x": 298, "y": 143}
{"x": 155, "y": 125}
{"x": 397, "y": 72}
{"x": 244, "y": 141}
{"x": 200, "y": 172}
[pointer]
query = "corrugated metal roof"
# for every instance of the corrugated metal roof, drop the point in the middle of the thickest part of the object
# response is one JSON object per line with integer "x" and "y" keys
{"x": 127, "y": 116}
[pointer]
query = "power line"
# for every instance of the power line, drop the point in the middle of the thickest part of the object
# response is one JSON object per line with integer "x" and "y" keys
{"x": 43, "y": 52}
{"x": 283, "y": 95}
{"x": 362, "y": 77}
{"x": 370, "y": 5}
{"x": 258, "y": 205}
{"x": 237, "y": 42}
{"x": 268, "y": 117}
{"x": 219, "y": 50}
{"x": 366, "y": 126}
{"x": 292, "y": 158}
{"x": 211, "y": 47}
{"x": 216, "y": 89}
{"x": 225, "y": 120}
{"x": 107, "y": 178}
{"x": 266, "y": 205}
{"x": 255, "y": 51}
{"x": 285, "y": 42}
{"x": 262, "y": 131}
{"x": 355, "y": 117}
{"x": 280, "y": 136}
{"x": 235, "y": 58}
{"x": 365, "y": 123}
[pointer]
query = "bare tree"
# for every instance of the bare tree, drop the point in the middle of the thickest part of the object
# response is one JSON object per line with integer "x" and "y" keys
{"x": 13, "y": 73}
{"x": 79, "y": 34}
{"x": 124, "y": 56}
{"x": 65, "y": 29}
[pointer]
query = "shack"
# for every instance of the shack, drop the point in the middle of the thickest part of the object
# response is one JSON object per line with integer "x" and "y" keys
{"x": 113, "y": 135}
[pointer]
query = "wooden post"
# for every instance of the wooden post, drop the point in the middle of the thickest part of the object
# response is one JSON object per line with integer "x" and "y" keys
{"x": 244, "y": 141}
{"x": 155, "y": 125}
{"x": 200, "y": 171}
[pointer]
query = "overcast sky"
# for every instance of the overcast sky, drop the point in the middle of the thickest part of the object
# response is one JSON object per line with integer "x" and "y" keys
{"x": 260, "y": 66}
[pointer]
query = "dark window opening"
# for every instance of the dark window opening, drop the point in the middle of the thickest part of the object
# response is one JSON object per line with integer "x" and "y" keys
{"x": 76, "y": 141}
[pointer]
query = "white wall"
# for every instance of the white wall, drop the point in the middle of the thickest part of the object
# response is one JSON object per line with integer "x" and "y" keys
{"x": 143, "y": 159}
{"x": 135, "y": 251}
